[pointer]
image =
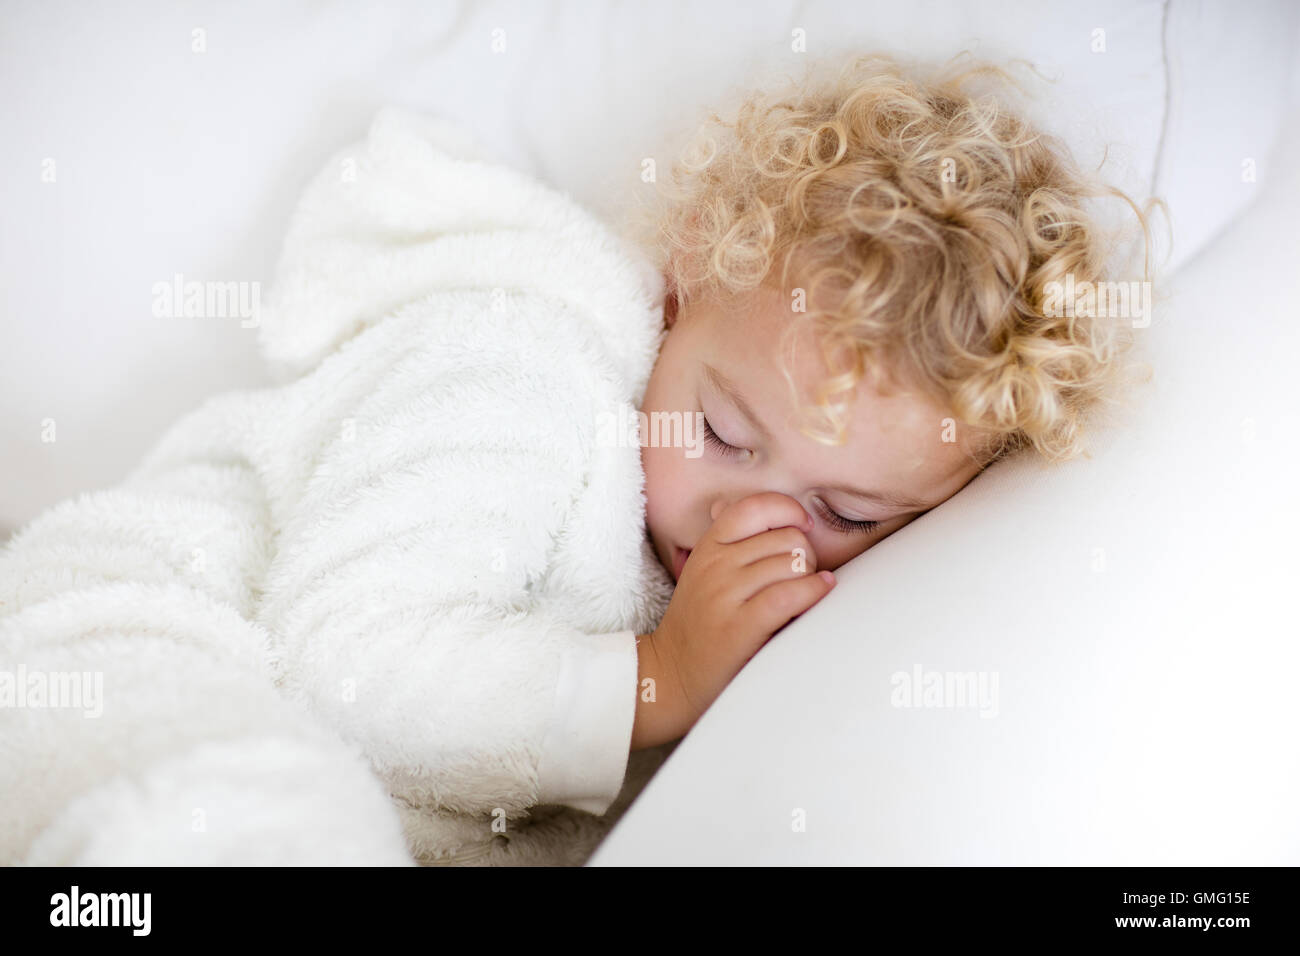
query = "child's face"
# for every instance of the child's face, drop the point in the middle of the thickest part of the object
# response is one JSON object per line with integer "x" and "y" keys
{"x": 893, "y": 445}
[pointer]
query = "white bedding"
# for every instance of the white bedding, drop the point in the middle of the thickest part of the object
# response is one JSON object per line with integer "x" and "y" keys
{"x": 137, "y": 149}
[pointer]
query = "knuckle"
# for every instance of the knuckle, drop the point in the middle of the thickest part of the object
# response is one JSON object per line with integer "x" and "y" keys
{"x": 775, "y": 600}
{"x": 787, "y": 539}
{"x": 773, "y": 501}
{"x": 796, "y": 541}
{"x": 789, "y": 564}
{"x": 790, "y": 509}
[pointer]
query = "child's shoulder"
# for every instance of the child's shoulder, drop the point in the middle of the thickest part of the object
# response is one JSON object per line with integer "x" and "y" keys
{"x": 421, "y": 207}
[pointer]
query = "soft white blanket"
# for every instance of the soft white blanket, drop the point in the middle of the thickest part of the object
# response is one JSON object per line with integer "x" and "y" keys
{"x": 386, "y": 610}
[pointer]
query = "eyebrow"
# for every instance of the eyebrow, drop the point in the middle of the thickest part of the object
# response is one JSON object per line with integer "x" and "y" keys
{"x": 729, "y": 389}
{"x": 884, "y": 498}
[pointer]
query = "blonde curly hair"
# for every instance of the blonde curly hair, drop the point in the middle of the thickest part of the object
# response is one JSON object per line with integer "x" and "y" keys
{"x": 923, "y": 224}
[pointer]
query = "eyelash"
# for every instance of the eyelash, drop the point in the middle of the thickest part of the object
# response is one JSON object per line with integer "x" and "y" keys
{"x": 841, "y": 523}
{"x": 711, "y": 438}
{"x": 836, "y": 521}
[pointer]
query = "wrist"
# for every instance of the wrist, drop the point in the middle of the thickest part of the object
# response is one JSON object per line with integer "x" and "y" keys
{"x": 657, "y": 718}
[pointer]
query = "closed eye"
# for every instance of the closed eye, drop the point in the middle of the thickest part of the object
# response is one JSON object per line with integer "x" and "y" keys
{"x": 711, "y": 438}
{"x": 841, "y": 523}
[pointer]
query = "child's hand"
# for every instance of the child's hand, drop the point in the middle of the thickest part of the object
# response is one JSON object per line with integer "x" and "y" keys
{"x": 747, "y": 577}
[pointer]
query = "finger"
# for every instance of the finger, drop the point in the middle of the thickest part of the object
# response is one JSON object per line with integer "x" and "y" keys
{"x": 787, "y": 541}
{"x": 770, "y": 570}
{"x": 777, "y": 604}
{"x": 757, "y": 513}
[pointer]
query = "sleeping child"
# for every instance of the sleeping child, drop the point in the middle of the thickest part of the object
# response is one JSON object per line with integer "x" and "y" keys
{"x": 413, "y": 605}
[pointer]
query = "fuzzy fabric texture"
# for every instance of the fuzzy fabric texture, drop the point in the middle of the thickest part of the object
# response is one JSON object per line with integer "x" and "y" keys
{"x": 386, "y": 611}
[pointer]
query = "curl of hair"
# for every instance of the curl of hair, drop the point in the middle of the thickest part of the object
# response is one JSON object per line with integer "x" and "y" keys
{"x": 925, "y": 223}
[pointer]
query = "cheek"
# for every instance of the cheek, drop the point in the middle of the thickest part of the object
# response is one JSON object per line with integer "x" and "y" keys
{"x": 666, "y": 486}
{"x": 835, "y": 549}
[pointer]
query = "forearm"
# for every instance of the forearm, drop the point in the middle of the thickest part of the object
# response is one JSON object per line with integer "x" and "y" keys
{"x": 661, "y": 714}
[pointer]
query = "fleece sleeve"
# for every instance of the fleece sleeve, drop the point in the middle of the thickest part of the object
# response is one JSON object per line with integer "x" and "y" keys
{"x": 413, "y": 599}
{"x": 147, "y": 730}
{"x": 448, "y": 318}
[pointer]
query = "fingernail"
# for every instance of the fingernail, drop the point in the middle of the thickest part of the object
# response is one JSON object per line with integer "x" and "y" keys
{"x": 827, "y": 577}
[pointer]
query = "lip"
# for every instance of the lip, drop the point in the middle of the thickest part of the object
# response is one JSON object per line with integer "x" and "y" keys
{"x": 679, "y": 562}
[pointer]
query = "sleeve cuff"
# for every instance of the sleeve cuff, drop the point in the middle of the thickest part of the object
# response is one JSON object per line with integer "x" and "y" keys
{"x": 585, "y": 751}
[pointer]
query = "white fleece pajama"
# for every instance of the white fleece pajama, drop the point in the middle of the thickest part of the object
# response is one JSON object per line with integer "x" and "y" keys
{"x": 387, "y": 610}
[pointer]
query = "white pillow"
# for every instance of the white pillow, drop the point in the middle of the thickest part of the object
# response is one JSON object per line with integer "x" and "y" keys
{"x": 1101, "y": 83}
{"x": 1229, "y": 67}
